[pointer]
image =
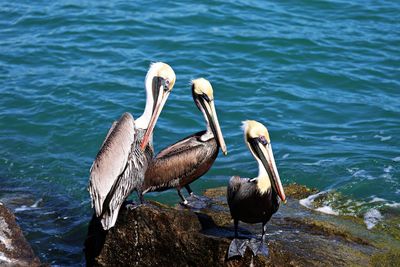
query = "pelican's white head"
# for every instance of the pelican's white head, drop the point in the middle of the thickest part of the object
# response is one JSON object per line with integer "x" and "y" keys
{"x": 160, "y": 80}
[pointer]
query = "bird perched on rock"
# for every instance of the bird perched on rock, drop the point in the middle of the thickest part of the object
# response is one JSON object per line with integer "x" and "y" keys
{"x": 255, "y": 200}
{"x": 123, "y": 158}
{"x": 188, "y": 159}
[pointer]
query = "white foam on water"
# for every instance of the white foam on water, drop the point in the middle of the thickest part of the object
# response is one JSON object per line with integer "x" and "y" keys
{"x": 397, "y": 159}
{"x": 317, "y": 163}
{"x": 377, "y": 199}
{"x": 327, "y": 210}
{"x": 360, "y": 173}
{"x": 307, "y": 202}
{"x": 383, "y": 138}
{"x": 285, "y": 156}
{"x": 393, "y": 205}
{"x": 35, "y": 205}
{"x": 372, "y": 218}
{"x": 31, "y": 207}
{"x": 337, "y": 138}
{"x": 22, "y": 208}
{"x": 388, "y": 169}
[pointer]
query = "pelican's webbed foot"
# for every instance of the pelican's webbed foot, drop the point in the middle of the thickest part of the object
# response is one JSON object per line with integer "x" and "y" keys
{"x": 193, "y": 201}
{"x": 131, "y": 205}
{"x": 196, "y": 205}
{"x": 258, "y": 247}
{"x": 193, "y": 197}
{"x": 237, "y": 247}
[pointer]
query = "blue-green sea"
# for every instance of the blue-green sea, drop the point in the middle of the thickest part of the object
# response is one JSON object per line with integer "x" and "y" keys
{"x": 323, "y": 76}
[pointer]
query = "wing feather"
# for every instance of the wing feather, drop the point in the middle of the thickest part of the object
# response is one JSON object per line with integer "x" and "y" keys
{"x": 180, "y": 146}
{"x": 174, "y": 163}
{"x": 111, "y": 160}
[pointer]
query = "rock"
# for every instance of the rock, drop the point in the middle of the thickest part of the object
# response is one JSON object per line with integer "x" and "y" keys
{"x": 155, "y": 234}
{"x": 14, "y": 249}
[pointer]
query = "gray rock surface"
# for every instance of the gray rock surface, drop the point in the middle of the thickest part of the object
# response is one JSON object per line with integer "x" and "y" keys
{"x": 14, "y": 249}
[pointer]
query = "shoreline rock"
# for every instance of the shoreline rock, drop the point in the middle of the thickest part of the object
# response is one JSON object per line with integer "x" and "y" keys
{"x": 156, "y": 234}
{"x": 14, "y": 249}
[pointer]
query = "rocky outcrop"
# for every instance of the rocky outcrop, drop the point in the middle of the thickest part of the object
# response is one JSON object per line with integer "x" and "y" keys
{"x": 14, "y": 249}
{"x": 155, "y": 234}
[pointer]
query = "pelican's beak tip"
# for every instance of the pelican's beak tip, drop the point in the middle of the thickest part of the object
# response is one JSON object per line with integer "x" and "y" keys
{"x": 225, "y": 152}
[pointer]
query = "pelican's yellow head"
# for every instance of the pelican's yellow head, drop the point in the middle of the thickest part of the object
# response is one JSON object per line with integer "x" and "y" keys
{"x": 202, "y": 86}
{"x": 164, "y": 71}
{"x": 257, "y": 138}
{"x": 254, "y": 129}
{"x": 203, "y": 97}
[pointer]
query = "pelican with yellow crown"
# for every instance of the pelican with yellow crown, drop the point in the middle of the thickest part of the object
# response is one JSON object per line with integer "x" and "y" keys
{"x": 123, "y": 157}
{"x": 255, "y": 200}
{"x": 185, "y": 161}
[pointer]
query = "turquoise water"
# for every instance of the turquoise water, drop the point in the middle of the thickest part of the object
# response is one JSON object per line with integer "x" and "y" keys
{"x": 323, "y": 76}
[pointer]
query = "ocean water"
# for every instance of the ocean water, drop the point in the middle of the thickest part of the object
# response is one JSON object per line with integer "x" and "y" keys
{"x": 323, "y": 76}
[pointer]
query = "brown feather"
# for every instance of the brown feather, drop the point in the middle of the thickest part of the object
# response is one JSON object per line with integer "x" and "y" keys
{"x": 181, "y": 163}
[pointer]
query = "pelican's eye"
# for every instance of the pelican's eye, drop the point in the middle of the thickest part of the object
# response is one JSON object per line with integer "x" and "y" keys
{"x": 263, "y": 140}
{"x": 166, "y": 85}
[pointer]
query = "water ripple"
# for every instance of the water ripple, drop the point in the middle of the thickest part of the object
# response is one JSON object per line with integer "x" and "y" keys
{"x": 323, "y": 76}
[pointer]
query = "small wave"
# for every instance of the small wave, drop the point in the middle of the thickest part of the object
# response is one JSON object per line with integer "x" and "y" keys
{"x": 388, "y": 169}
{"x": 35, "y": 205}
{"x": 377, "y": 199}
{"x": 285, "y": 156}
{"x": 327, "y": 210}
{"x": 397, "y": 159}
{"x": 372, "y": 218}
{"x": 383, "y": 138}
{"x": 307, "y": 202}
{"x": 393, "y": 205}
{"x": 336, "y": 138}
{"x": 318, "y": 163}
{"x": 360, "y": 173}
{"x": 31, "y": 207}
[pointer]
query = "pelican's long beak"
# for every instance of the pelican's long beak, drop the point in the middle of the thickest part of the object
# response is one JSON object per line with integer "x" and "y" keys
{"x": 158, "y": 106}
{"x": 264, "y": 153}
{"x": 213, "y": 120}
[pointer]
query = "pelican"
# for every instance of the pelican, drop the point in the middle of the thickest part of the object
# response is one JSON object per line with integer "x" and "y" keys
{"x": 255, "y": 200}
{"x": 185, "y": 161}
{"x": 123, "y": 158}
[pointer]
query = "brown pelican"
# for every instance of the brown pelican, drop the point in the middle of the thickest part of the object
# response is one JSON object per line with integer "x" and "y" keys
{"x": 255, "y": 200}
{"x": 123, "y": 158}
{"x": 185, "y": 161}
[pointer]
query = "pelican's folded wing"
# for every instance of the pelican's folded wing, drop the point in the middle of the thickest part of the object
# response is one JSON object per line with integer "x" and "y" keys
{"x": 111, "y": 160}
